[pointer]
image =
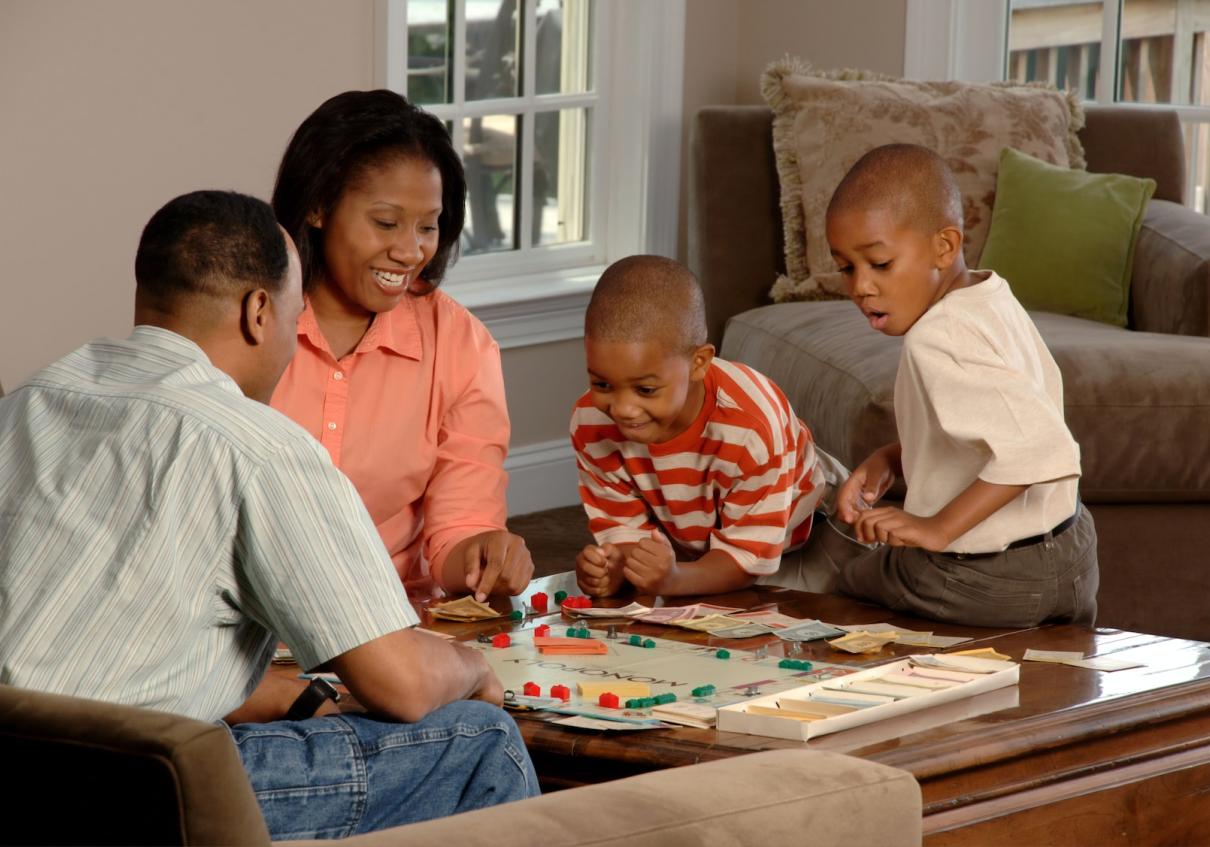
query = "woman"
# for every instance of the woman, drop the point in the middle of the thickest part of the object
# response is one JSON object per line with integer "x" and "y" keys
{"x": 401, "y": 384}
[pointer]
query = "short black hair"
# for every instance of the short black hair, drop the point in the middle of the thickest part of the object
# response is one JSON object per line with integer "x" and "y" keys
{"x": 648, "y": 299}
{"x": 912, "y": 181}
{"x": 335, "y": 146}
{"x": 212, "y": 243}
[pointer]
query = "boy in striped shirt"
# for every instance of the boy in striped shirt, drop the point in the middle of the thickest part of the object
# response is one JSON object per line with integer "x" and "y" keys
{"x": 695, "y": 472}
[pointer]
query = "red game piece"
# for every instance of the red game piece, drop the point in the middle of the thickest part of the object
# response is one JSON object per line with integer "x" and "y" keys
{"x": 580, "y": 602}
{"x": 560, "y": 691}
{"x": 531, "y": 689}
{"x": 542, "y": 631}
{"x": 501, "y": 640}
{"x": 609, "y": 701}
{"x": 538, "y": 601}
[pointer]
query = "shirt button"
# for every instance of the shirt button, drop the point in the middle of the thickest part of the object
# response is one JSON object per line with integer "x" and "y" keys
{"x": 338, "y": 375}
{"x": 331, "y": 425}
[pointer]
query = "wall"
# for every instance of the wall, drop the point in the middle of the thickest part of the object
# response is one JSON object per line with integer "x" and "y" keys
{"x": 110, "y": 109}
{"x": 728, "y": 43}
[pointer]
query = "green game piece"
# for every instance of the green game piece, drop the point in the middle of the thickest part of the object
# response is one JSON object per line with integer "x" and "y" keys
{"x": 646, "y": 702}
{"x": 665, "y": 698}
{"x": 571, "y": 632}
{"x": 583, "y": 633}
{"x": 635, "y": 641}
{"x": 632, "y": 703}
{"x": 648, "y": 643}
{"x": 703, "y": 691}
{"x": 794, "y": 664}
{"x": 722, "y": 654}
{"x": 560, "y": 596}
{"x": 516, "y": 615}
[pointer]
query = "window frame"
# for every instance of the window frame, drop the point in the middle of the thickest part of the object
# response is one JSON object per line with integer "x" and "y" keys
{"x": 950, "y": 39}
{"x": 538, "y": 295}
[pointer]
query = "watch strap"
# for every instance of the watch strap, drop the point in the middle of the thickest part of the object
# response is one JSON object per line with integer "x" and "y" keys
{"x": 312, "y": 697}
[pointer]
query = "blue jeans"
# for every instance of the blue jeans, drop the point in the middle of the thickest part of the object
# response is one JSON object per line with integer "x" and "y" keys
{"x": 344, "y": 774}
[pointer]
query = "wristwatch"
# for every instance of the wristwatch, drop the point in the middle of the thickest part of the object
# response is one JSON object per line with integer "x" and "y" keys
{"x": 311, "y": 699}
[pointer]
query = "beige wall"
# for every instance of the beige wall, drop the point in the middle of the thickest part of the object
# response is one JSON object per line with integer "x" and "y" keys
{"x": 728, "y": 43}
{"x": 110, "y": 109}
{"x": 543, "y": 382}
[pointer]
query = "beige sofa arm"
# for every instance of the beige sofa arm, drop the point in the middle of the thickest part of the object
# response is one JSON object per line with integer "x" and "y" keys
{"x": 1170, "y": 283}
{"x": 793, "y": 796}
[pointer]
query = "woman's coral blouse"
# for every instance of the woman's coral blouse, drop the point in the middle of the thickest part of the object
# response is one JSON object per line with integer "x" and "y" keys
{"x": 415, "y": 417}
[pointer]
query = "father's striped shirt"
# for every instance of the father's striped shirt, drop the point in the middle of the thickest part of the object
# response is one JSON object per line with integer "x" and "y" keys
{"x": 159, "y": 531}
{"x": 744, "y": 478}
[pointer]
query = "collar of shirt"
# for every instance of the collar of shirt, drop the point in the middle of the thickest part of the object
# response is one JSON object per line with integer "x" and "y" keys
{"x": 397, "y": 331}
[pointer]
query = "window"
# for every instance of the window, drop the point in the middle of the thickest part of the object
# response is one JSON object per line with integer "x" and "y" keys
{"x": 556, "y": 189}
{"x": 1123, "y": 51}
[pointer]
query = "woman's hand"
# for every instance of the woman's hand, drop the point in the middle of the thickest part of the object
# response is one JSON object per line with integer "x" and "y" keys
{"x": 495, "y": 561}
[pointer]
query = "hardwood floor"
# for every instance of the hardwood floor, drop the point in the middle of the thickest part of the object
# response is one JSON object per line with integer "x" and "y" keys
{"x": 554, "y": 537}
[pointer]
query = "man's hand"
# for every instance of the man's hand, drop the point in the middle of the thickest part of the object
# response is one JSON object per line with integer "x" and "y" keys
{"x": 495, "y": 561}
{"x": 900, "y": 529}
{"x": 599, "y": 570}
{"x": 649, "y": 563}
{"x": 866, "y": 485}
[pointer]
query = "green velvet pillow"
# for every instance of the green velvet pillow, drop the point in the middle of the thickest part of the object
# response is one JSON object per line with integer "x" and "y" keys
{"x": 1064, "y": 239}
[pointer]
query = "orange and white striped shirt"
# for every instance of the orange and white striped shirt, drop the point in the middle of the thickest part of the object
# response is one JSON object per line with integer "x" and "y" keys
{"x": 744, "y": 478}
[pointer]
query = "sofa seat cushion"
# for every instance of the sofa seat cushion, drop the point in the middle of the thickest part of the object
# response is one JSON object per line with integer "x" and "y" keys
{"x": 1138, "y": 403}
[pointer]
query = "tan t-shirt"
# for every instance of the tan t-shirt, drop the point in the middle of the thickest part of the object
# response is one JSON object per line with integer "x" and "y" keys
{"x": 978, "y": 395}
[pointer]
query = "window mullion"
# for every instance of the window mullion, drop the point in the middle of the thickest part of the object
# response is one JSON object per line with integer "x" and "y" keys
{"x": 459, "y": 54}
{"x": 525, "y": 154}
{"x": 1111, "y": 44}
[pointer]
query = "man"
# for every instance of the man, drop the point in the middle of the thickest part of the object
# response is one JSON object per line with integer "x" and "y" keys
{"x": 160, "y": 530}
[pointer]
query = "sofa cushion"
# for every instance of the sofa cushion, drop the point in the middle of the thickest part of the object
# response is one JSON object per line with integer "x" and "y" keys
{"x": 823, "y": 122}
{"x": 1138, "y": 403}
{"x": 1065, "y": 239}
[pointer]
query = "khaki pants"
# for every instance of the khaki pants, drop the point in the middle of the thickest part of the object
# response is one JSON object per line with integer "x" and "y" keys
{"x": 1055, "y": 579}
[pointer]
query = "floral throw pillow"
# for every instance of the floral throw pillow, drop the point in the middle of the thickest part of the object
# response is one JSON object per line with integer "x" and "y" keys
{"x": 823, "y": 122}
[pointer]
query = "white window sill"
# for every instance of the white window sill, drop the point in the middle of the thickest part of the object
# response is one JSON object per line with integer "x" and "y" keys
{"x": 532, "y": 309}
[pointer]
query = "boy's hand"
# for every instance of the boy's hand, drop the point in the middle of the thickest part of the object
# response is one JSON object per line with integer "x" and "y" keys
{"x": 599, "y": 570}
{"x": 865, "y": 487}
{"x": 650, "y": 562}
{"x": 900, "y": 529}
{"x": 494, "y": 561}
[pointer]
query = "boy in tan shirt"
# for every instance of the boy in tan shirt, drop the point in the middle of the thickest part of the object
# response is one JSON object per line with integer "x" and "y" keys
{"x": 991, "y": 531}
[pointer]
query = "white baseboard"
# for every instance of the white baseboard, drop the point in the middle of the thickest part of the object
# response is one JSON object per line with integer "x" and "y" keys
{"x": 541, "y": 476}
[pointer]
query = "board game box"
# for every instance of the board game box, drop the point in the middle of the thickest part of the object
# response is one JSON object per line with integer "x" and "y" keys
{"x": 866, "y": 696}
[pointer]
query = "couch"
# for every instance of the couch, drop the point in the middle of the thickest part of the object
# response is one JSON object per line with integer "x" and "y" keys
{"x": 1136, "y": 399}
{"x": 87, "y": 772}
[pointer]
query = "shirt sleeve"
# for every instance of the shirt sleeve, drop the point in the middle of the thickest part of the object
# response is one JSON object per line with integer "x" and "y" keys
{"x": 755, "y": 511}
{"x": 466, "y": 494}
{"x": 982, "y": 401}
{"x": 311, "y": 566}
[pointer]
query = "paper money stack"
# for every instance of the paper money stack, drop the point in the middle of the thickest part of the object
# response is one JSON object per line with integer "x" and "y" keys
{"x": 463, "y": 609}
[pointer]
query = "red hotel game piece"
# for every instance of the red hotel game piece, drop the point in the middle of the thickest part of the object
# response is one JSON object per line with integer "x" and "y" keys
{"x": 538, "y": 601}
{"x": 560, "y": 691}
{"x": 609, "y": 701}
{"x": 531, "y": 689}
{"x": 542, "y": 631}
{"x": 501, "y": 640}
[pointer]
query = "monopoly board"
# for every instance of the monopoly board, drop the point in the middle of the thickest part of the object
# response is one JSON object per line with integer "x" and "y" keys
{"x": 669, "y": 667}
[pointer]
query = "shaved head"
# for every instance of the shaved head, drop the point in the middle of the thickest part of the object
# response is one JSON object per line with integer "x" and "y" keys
{"x": 911, "y": 181}
{"x": 648, "y": 299}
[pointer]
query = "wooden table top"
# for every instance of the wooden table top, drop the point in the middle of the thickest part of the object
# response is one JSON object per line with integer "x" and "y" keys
{"x": 1065, "y": 738}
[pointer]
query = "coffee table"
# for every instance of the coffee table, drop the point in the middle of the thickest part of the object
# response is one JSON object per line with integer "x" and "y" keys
{"x": 1069, "y": 756}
